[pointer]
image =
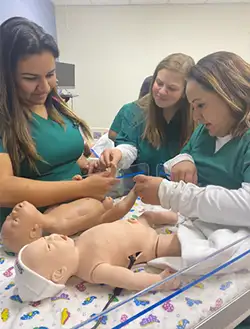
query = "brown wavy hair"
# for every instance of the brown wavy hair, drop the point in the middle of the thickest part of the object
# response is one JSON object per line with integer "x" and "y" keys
{"x": 155, "y": 129}
{"x": 20, "y": 37}
{"x": 228, "y": 75}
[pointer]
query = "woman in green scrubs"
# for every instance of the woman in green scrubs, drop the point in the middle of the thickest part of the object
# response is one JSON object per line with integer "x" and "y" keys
{"x": 159, "y": 124}
{"x": 210, "y": 184}
{"x": 41, "y": 140}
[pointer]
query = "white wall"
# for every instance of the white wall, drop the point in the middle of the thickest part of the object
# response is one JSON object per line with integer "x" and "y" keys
{"x": 41, "y": 12}
{"x": 114, "y": 48}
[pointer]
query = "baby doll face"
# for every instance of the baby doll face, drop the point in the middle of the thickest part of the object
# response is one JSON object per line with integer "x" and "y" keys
{"x": 16, "y": 233}
{"x": 54, "y": 257}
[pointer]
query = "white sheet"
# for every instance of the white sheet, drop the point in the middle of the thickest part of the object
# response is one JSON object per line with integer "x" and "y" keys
{"x": 200, "y": 240}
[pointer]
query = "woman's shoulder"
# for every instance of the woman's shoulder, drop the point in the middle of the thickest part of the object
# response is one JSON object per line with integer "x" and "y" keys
{"x": 131, "y": 107}
{"x": 133, "y": 113}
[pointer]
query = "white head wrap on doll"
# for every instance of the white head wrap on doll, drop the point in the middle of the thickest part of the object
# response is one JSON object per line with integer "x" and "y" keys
{"x": 31, "y": 286}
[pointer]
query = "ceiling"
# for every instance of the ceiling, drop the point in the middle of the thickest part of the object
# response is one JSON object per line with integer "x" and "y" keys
{"x": 138, "y": 2}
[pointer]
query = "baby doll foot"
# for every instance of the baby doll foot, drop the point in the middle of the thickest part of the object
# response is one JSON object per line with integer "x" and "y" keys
{"x": 173, "y": 284}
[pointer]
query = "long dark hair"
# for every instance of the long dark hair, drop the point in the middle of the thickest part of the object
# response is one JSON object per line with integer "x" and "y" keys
{"x": 20, "y": 37}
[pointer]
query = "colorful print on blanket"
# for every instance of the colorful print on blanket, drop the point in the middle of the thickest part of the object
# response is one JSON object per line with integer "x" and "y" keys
{"x": 80, "y": 300}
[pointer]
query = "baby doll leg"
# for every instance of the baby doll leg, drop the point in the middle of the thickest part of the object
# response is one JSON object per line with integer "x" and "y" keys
{"x": 121, "y": 277}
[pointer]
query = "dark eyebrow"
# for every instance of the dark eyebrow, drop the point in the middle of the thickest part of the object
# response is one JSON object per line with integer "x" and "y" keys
{"x": 37, "y": 75}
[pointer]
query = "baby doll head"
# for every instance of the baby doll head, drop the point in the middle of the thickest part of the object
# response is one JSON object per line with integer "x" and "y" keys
{"x": 21, "y": 227}
{"x": 44, "y": 266}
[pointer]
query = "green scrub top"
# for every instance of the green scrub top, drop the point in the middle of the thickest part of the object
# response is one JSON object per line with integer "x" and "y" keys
{"x": 133, "y": 128}
{"x": 59, "y": 146}
{"x": 229, "y": 167}
{"x": 121, "y": 118}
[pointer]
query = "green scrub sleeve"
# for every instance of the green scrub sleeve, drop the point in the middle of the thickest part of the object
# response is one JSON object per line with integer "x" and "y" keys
{"x": 246, "y": 165}
{"x": 132, "y": 127}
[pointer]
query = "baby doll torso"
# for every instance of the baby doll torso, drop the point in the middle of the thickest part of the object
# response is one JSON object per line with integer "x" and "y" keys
{"x": 113, "y": 244}
{"x": 88, "y": 205}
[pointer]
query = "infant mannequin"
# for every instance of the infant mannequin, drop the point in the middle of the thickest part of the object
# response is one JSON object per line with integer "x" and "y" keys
{"x": 26, "y": 224}
{"x": 99, "y": 255}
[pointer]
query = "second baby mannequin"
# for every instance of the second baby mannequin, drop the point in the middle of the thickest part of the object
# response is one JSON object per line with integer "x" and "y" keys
{"x": 26, "y": 224}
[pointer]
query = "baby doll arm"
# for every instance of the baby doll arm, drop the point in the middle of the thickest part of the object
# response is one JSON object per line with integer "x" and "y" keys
{"x": 121, "y": 277}
{"x": 120, "y": 209}
{"x": 71, "y": 226}
{"x": 165, "y": 217}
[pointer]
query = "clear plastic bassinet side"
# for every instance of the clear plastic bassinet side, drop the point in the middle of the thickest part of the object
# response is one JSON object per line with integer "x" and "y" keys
{"x": 126, "y": 182}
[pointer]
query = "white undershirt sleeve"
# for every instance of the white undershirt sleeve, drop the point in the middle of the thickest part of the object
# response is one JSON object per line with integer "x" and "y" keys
{"x": 168, "y": 165}
{"x": 129, "y": 155}
{"x": 211, "y": 204}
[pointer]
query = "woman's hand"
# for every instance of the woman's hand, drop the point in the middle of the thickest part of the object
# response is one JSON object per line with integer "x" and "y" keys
{"x": 83, "y": 163}
{"x": 98, "y": 185}
{"x": 184, "y": 171}
{"x": 147, "y": 187}
{"x": 95, "y": 166}
{"x": 90, "y": 166}
{"x": 110, "y": 156}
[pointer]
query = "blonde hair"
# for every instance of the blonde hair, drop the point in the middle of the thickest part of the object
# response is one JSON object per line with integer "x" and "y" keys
{"x": 228, "y": 75}
{"x": 155, "y": 129}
